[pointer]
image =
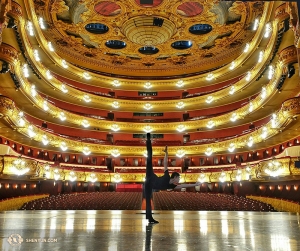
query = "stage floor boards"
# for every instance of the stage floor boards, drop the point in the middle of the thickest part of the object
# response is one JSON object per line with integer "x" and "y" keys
{"x": 128, "y": 230}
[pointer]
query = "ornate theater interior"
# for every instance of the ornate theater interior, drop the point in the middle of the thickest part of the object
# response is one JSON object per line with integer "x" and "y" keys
{"x": 82, "y": 82}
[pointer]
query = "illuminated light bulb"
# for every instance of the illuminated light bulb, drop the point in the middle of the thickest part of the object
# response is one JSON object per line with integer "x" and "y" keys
{"x": 210, "y": 124}
{"x": 148, "y": 106}
{"x": 232, "y": 90}
{"x": 148, "y": 129}
{"x": 48, "y": 74}
{"x": 180, "y": 83}
{"x": 250, "y": 141}
{"x": 232, "y": 65}
{"x": 87, "y": 98}
{"x": 36, "y": 55}
{"x": 209, "y": 99}
{"x": 115, "y": 127}
{"x": 145, "y": 153}
{"x": 233, "y": 117}
{"x": 25, "y": 71}
{"x": 208, "y": 151}
{"x": 231, "y": 147}
{"x": 261, "y": 56}
{"x": 222, "y": 177}
{"x": 45, "y": 106}
{"x": 50, "y": 46}
{"x": 268, "y": 30}
{"x": 210, "y": 76}
{"x": 263, "y": 92}
{"x": 116, "y": 82}
{"x": 180, "y": 105}
{"x": 247, "y": 47}
{"x": 30, "y": 28}
{"x": 63, "y": 146}
{"x": 271, "y": 72}
{"x": 148, "y": 85}
{"x": 45, "y": 140}
{"x": 86, "y": 75}
{"x": 41, "y": 23}
{"x": 264, "y": 132}
{"x": 30, "y": 131}
{"x": 64, "y": 63}
{"x": 93, "y": 177}
{"x": 274, "y": 120}
{"x": 256, "y": 23}
{"x": 62, "y": 116}
{"x": 115, "y": 104}
{"x": 21, "y": 122}
{"x": 115, "y": 152}
{"x": 250, "y": 107}
{"x": 73, "y": 176}
{"x": 180, "y": 128}
{"x": 248, "y": 76}
{"x": 33, "y": 91}
{"x": 180, "y": 153}
{"x": 64, "y": 88}
{"x": 86, "y": 150}
{"x": 85, "y": 123}
{"x": 202, "y": 178}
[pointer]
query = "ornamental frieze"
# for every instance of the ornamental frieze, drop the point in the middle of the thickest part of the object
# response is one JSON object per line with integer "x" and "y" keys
{"x": 9, "y": 53}
{"x": 291, "y": 107}
{"x": 288, "y": 55}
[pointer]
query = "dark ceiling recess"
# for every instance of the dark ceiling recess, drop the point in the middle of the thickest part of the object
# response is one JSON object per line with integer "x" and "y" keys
{"x": 200, "y": 29}
{"x": 115, "y": 44}
{"x": 146, "y": 1}
{"x": 158, "y": 21}
{"x": 96, "y": 28}
{"x": 148, "y": 50}
{"x": 181, "y": 45}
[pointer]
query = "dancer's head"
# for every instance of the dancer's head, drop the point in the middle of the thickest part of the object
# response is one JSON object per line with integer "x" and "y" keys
{"x": 175, "y": 177}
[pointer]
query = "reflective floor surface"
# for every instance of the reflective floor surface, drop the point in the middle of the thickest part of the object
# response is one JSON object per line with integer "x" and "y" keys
{"x": 128, "y": 230}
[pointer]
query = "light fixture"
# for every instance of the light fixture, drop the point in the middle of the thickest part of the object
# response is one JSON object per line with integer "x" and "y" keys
{"x": 210, "y": 77}
{"x": 271, "y": 72}
{"x": 86, "y": 75}
{"x": 147, "y": 85}
{"x": 148, "y": 106}
{"x": 115, "y": 152}
{"x": 36, "y": 55}
{"x": 263, "y": 92}
{"x": 232, "y": 65}
{"x": 264, "y": 133}
{"x": 268, "y": 30}
{"x": 86, "y": 98}
{"x": 115, "y": 104}
{"x": 233, "y": 117}
{"x": 45, "y": 105}
{"x": 18, "y": 167}
{"x": 180, "y": 128}
{"x": 231, "y": 147}
{"x": 202, "y": 178}
{"x": 274, "y": 168}
{"x": 64, "y": 88}
{"x": 148, "y": 129}
{"x": 250, "y": 141}
{"x": 33, "y": 91}
{"x": 261, "y": 56}
{"x": 180, "y": 105}
{"x": 73, "y": 176}
{"x": 274, "y": 120}
{"x": 41, "y": 23}
{"x": 210, "y": 124}
{"x": 180, "y": 83}
{"x": 250, "y": 107}
{"x": 64, "y": 63}
{"x": 208, "y": 151}
{"x": 209, "y": 99}
{"x": 247, "y": 47}
{"x": 45, "y": 140}
{"x": 86, "y": 150}
{"x": 115, "y": 127}
{"x": 48, "y": 75}
{"x": 21, "y": 122}
{"x": 256, "y": 23}
{"x": 93, "y": 177}
{"x": 85, "y": 123}
{"x": 180, "y": 153}
{"x": 116, "y": 83}
{"x": 145, "y": 153}
{"x": 30, "y": 131}
{"x": 222, "y": 177}
{"x": 30, "y": 28}
{"x": 63, "y": 146}
{"x": 239, "y": 175}
{"x": 232, "y": 90}
{"x": 25, "y": 70}
{"x": 62, "y": 116}
{"x": 248, "y": 76}
{"x": 56, "y": 174}
{"x": 117, "y": 178}
{"x": 50, "y": 46}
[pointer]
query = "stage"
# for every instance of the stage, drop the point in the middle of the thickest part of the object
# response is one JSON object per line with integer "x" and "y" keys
{"x": 128, "y": 230}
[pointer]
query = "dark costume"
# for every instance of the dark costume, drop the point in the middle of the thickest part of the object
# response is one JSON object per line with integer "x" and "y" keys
{"x": 152, "y": 181}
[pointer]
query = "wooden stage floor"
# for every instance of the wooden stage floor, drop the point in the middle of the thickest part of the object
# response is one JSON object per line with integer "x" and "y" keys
{"x": 128, "y": 230}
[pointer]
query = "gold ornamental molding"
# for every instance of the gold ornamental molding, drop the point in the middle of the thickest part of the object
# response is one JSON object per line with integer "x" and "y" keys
{"x": 281, "y": 13}
{"x": 291, "y": 107}
{"x": 288, "y": 55}
{"x": 9, "y": 54}
{"x": 16, "y": 10}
